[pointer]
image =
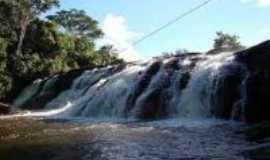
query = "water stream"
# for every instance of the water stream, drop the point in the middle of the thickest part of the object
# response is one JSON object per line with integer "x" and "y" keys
{"x": 168, "y": 108}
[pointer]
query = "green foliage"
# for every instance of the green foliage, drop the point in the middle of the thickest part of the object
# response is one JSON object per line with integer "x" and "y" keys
{"x": 28, "y": 10}
{"x": 7, "y": 25}
{"x": 5, "y": 79}
{"x": 32, "y": 48}
{"x": 227, "y": 41}
{"x": 41, "y": 38}
{"x": 77, "y": 23}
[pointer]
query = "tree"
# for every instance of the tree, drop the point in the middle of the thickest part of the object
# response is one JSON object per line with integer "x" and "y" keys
{"x": 225, "y": 41}
{"x": 26, "y": 11}
{"x": 41, "y": 38}
{"x": 7, "y": 22}
{"x": 77, "y": 23}
{"x": 31, "y": 47}
{"x": 5, "y": 80}
{"x": 108, "y": 55}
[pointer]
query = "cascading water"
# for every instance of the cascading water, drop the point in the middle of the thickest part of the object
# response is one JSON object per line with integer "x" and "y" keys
{"x": 180, "y": 86}
{"x": 28, "y": 93}
{"x": 89, "y": 114}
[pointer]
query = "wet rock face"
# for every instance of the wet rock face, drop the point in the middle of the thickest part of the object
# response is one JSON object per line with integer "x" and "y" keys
{"x": 152, "y": 106}
{"x": 256, "y": 58}
{"x": 184, "y": 80}
{"x": 227, "y": 91}
{"x": 142, "y": 84}
{"x": 39, "y": 101}
{"x": 257, "y": 84}
{"x": 61, "y": 83}
{"x": 257, "y": 103}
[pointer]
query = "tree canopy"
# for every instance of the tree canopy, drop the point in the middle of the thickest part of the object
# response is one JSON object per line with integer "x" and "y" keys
{"x": 77, "y": 23}
{"x": 227, "y": 41}
{"x": 31, "y": 47}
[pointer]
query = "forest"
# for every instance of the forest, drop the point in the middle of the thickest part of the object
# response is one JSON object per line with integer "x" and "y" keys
{"x": 33, "y": 47}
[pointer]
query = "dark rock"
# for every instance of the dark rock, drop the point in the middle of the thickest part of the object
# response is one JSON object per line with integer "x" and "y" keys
{"x": 257, "y": 103}
{"x": 172, "y": 64}
{"x": 65, "y": 81}
{"x": 184, "y": 80}
{"x": 257, "y": 84}
{"x": 151, "y": 104}
{"x": 220, "y": 50}
{"x": 260, "y": 133}
{"x": 151, "y": 107}
{"x": 237, "y": 111}
{"x": 62, "y": 82}
{"x": 256, "y": 58}
{"x": 227, "y": 91}
{"x": 4, "y": 109}
{"x": 257, "y": 132}
{"x": 142, "y": 84}
{"x": 258, "y": 152}
{"x": 38, "y": 102}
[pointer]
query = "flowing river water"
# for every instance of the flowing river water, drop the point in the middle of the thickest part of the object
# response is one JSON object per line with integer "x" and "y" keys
{"x": 172, "y": 139}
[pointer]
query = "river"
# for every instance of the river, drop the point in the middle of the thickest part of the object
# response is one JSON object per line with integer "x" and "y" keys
{"x": 86, "y": 139}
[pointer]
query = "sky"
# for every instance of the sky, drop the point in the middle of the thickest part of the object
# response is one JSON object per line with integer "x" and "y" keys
{"x": 126, "y": 21}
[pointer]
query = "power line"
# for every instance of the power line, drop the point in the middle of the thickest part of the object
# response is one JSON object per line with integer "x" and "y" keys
{"x": 192, "y": 10}
{"x": 172, "y": 22}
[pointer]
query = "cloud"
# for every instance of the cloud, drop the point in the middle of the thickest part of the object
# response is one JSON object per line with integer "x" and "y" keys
{"x": 118, "y": 34}
{"x": 261, "y": 3}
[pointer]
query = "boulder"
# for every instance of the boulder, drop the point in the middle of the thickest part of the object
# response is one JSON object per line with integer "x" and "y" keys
{"x": 257, "y": 83}
{"x": 4, "y": 109}
{"x": 257, "y": 103}
{"x": 227, "y": 90}
{"x": 256, "y": 58}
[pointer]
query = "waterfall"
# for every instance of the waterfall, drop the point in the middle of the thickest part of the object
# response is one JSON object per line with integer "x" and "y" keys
{"x": 181, "y": 86}
{"x": 28, "y": 93}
